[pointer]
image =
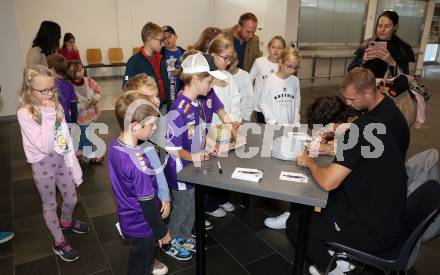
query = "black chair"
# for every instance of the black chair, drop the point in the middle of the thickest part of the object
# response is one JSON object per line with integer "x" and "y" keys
{"x": 423, "y": 206}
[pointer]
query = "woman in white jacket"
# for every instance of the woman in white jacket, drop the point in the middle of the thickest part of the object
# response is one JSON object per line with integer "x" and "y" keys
{"x": 280, "y": 98}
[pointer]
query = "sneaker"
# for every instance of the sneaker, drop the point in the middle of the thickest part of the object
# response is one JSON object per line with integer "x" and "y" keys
{"x": 66, "y": 252}
{"x": 77, "y": 227}
{"x": 177, "y": 251}
{"x": 159, "y": 268}
{"x": 6, "y": 236}
{"x": 219, "y": 213}
{"x": 278, "y": 222}
{"x": 189, "y": 244}
{"x": 228, "y": 207}
{"x": 208, "y": 225}
{"x": 340, "y": 269}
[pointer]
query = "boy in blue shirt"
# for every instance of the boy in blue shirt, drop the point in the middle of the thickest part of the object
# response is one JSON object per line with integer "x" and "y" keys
{"x": 134, "y": 182}
{"x": 172, "y": 53}
{"x": 185, "y": 135}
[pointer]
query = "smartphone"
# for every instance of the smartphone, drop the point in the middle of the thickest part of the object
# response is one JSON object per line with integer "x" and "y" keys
{"x": 378, "y": 44}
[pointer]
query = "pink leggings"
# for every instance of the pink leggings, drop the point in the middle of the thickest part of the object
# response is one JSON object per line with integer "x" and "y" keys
{"x": 48, "y": 173}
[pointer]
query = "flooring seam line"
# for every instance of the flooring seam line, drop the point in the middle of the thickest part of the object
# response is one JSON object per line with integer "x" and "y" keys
{"x": 263, "y": 240}
{"x": 222, "y": 246}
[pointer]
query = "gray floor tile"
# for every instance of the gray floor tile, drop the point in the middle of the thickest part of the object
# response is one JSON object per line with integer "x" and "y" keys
{"x": 273, "y": 264}
{"x": 6, "y": 266}
{"x": 6, "y": 225}
{"x": 236, "y": 238}
{"x": 105, "y": 228}
{"x": 32, "y": 239}
{"x": 43, "y": 266}
{"x": 218, "y": 262}
{"x": 279, "y": 240}
{"x": 91, "y": 259}
{"x": 99, "y": 204}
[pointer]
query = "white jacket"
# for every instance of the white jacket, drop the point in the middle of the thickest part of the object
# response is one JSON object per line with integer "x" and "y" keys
{"x": 244, "y": 84}
{"x": 280, "y": 100}
{"x": 228, "y": 93}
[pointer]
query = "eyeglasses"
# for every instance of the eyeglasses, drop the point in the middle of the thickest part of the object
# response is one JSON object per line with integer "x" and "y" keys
{"x": 46, "y": 91}
{"x": 293, "y": 67}
{"x": 160, "y": 40}
{"x": 213, "y": 30}
{"x": 225, "y": 58}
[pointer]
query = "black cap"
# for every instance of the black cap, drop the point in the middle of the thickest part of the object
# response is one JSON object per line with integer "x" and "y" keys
{"x": 168, "y": 29}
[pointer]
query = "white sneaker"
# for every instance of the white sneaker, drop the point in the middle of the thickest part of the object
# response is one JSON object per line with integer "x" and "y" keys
{"x": 219, "y": 213}
{"x": 341, "y": 268}
{"x": 313, "y": 270}
{"x": 278, "y": 222}
{"x": 344, "y": 266}
{"x": 228, "y": 207}
{"x": 208, "y": 225}
{"x": 159, "y": 268}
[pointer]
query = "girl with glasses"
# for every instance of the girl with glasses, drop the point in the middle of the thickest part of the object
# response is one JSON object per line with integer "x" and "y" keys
{"x": 49, "y": 149}
{"x": 280, "y": 104}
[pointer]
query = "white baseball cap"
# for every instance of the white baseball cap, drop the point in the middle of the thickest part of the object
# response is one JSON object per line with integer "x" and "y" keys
{"x": 200, "y": 63}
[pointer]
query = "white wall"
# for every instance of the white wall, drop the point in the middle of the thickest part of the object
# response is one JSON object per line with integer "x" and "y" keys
{"x": 271, "y": 16}
{"x": 92, "y": 22}
{"x": 11, "y": 58}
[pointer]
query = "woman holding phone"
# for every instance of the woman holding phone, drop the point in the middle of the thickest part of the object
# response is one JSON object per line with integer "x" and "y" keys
{"x": 387, "y": 51}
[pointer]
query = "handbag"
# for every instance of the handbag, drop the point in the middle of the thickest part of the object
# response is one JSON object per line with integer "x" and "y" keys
{"x": 399, "y": 90}
{"x": 417, "y": 87}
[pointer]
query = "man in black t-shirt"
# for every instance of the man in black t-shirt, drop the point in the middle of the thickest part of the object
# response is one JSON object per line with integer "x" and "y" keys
{"x": 360, "y": 92}
{"x": 367, "y": 198}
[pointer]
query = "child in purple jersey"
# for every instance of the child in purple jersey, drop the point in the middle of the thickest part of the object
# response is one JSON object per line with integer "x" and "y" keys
{"x": 134, "y": 182}
{"x": 66, "y": 92}
{"x": 185, "y": 135}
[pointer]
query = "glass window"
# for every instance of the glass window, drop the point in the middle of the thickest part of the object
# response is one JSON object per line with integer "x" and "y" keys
{"x": 411, "y": 18}
{"x": 324, "y": 22}
{"x": 431, "y": 52}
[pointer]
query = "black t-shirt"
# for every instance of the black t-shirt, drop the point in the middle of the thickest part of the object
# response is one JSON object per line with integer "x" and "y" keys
{"x": 395, "y": 122}
{"x": 374, "y": 193}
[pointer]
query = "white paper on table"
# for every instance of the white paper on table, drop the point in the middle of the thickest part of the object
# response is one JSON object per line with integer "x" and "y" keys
{"x": 248, "y": 174}
{"x": 295, "y": 177}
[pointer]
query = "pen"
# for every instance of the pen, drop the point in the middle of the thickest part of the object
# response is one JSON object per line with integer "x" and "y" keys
{"x": 249, "y": 172}
{"x": 294, "y": 177}
{"x": 220, "y": 171}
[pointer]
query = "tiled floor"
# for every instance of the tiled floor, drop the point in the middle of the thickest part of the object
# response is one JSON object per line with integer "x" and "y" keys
{"x": 239, "y": 243}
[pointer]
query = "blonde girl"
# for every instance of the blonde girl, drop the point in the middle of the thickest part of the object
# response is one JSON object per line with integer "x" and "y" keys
{"x": 262, "y": 68}
{"x": 48, "y": 148}
{"x": 280, "y": 103}
{"x": 280, "y": 98}
{"x": 222, "y": 51}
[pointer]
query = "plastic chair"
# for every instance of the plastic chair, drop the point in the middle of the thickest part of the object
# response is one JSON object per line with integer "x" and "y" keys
{"x": 94, "y": 57}
{"x": 423, "y": 206}
{"x": 136, "y": 50}
{"x": 116, "y": 56}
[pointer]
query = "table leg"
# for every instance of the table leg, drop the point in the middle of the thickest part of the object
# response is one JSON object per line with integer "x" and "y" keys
{"x": 305, "y": 214}
{"x": 200, "y": 230}
{"x": 245, "y": 200}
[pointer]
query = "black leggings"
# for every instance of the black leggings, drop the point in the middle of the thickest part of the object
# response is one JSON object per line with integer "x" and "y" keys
{"x": 141, "y": 255}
